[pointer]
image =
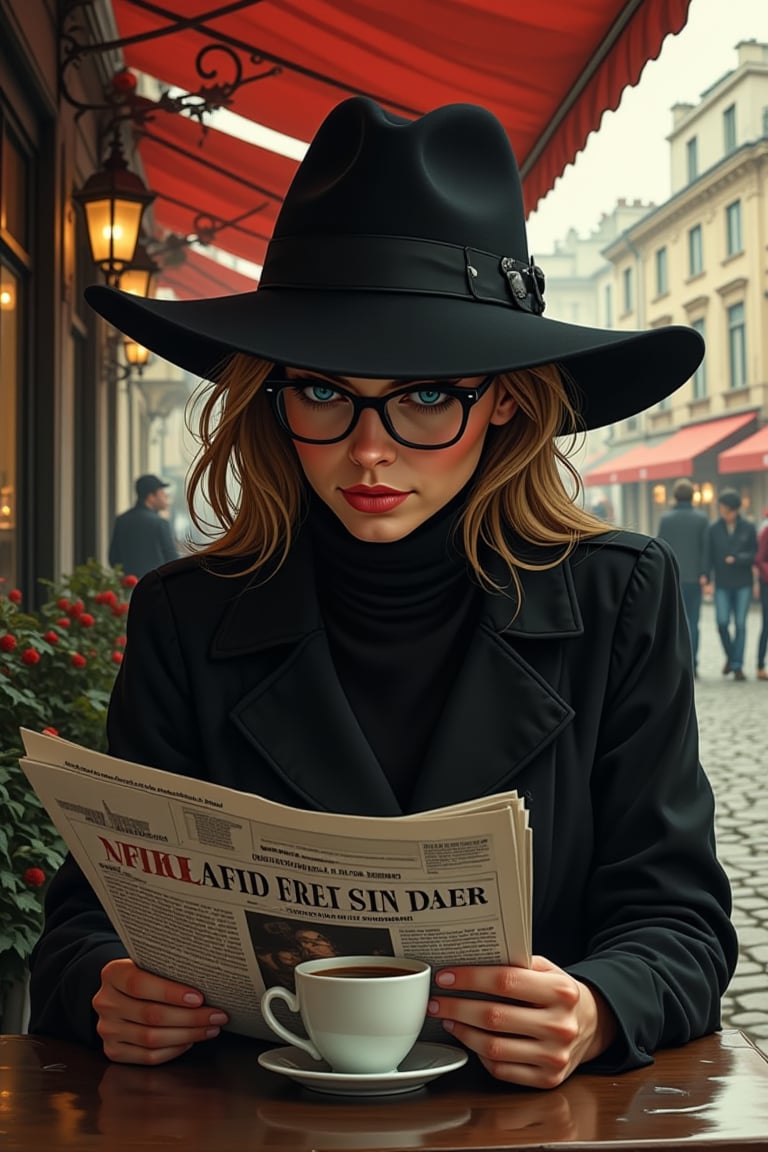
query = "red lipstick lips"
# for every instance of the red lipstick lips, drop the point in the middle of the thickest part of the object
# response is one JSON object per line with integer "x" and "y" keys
{"x": 373, "y": 498}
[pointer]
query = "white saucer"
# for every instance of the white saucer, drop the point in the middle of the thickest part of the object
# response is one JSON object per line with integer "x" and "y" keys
{"x": 423, "y": 1063}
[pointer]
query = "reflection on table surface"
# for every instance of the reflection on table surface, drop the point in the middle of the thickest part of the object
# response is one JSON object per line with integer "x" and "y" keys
{"x": 712, "y": 1094}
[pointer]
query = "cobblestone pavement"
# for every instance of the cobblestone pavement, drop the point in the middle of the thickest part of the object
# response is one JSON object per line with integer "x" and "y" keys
{"x": 733, "y": 724}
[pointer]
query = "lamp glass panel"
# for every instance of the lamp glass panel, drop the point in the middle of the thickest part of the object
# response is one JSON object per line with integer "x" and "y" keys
{"x": 135, "y": 354}
{"x": 113, "y": 238}
{"x": 137, "y": 281}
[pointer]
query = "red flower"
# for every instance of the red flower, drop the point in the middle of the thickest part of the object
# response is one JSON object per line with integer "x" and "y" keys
{"x": 121, "y": 641}
{"x": 7, "y": 643}
{"x": 87, "y": 620}
{"x": 64, "y": 622}
{"x": 129, "y": 581}
{"x": 51, "y": 637}
{"x": 76, "y": 608}
{"x": 63, "y": 604}
{"x": 117, "y": 657}
{"x": 30, "y": 656}
{"x": 78, "y": 661}
{"x": 108, "y": 597}
{"x": 119, "y": 609}
{"x": 34, "y": 877}
{"x": 50, "y": 731}
{"x": 14, "y": 596}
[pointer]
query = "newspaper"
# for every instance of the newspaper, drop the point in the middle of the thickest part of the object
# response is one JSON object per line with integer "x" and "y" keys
{"x": 227, "y": 891}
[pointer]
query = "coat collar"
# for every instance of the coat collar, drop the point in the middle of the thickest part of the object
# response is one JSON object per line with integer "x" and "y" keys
{"x": 502, "y": 712}
{"x": 284, "y": 609}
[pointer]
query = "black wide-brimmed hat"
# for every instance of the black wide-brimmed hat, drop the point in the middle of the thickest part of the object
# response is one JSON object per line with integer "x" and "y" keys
{"x": 400, "y": 252}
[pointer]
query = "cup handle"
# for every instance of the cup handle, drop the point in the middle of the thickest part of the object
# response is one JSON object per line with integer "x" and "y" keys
{"x": 278, "y": 993}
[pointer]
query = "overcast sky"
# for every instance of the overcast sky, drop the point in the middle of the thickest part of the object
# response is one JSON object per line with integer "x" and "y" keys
{"x": 629, "y": 155}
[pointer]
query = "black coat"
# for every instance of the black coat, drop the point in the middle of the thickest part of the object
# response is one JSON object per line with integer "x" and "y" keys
{"x": 686, "y": 530}
{"x": 583, "y": 702}
{"x": 141, "y": 540}
{"x": 741, "y": 543}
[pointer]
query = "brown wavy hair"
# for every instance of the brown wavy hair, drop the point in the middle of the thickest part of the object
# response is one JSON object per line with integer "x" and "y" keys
{"x": 247, "y": 471}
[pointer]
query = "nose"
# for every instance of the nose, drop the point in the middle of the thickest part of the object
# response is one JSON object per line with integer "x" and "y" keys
{"x": 369, "y": 442}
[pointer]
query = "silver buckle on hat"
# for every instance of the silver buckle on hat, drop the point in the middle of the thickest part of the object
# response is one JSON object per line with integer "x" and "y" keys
{"x": 526, "y": 284}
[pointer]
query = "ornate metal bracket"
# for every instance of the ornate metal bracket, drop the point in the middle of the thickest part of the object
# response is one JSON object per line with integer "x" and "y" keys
{"x": 121, "y": 102}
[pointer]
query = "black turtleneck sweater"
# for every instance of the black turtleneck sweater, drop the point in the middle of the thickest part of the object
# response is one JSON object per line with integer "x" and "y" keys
{"x": 398, "y": 617}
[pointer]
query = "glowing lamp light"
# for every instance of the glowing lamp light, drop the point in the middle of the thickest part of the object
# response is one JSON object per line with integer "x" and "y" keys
{"x": 7, "y": 298}
{"x": 113, "y": 200}
{"x": 135, "y": 354}
{"x": 139, "y": 277}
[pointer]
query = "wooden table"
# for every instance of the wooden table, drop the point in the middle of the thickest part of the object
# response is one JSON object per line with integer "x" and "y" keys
{"x": 712, "y": 1094}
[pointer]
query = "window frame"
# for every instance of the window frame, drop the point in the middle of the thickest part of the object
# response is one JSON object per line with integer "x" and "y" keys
{"x": 699, "y": 379}
{"x": 734, "y": 231}
{"x": 695, "y": 249}
{"x": 737, "y": 346}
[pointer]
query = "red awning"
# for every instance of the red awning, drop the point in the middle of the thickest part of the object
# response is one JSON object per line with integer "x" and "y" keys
{"x": 675, "y": 456}
{"x": 200, "y": 277}
{"x": 548, "y": 70}
{"x": 750, "y": 455}
{"x": 623, "y": 469}
{"x": 216, "y": 180}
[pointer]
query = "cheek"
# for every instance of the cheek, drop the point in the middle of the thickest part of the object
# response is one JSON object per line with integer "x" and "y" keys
{"x": 316, "y": 460}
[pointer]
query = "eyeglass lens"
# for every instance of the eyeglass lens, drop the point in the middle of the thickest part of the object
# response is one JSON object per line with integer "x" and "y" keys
{"x": 423, "y": 415}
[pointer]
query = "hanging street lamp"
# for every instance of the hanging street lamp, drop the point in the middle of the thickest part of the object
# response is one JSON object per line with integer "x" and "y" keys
{"x": 113, "y": 200}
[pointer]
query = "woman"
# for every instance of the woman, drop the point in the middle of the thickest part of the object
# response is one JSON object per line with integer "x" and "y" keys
{"x": 404, "y": 606}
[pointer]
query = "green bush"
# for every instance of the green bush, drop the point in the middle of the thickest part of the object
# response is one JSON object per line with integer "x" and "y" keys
{"x": 57, "y": 667}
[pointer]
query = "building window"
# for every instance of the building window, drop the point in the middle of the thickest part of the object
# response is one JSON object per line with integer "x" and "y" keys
{"x": 729, "y": 129}
{"x": 626, "y": 280}
{"x": 692, "y": 158}
{"x": 737, "y": 347}
{"x": 695, "y": 251}
{"x": 662, "y": 282}
{"x": 608, "y": 306}
{"x": 700, "y": 375}
{"x": 14, "y": 236}
{"x": 733, "y": 241}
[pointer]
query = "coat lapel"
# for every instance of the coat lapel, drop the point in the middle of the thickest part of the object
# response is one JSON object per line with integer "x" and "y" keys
{"x": 296, "y": 716}
{"x": 501, "y": 712}
{"x": 503, "y": 709}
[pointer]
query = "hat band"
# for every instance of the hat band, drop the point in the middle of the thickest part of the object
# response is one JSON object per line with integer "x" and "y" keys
{"x": 402, "y": 264}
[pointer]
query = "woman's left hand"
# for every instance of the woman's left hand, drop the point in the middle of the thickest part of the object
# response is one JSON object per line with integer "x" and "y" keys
{"x": 542, "y": 1026}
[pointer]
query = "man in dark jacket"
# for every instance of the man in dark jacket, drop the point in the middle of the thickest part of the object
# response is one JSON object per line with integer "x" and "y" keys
{"x": 686, "y": 531}
{"x": 732, "y": 550}
{"x": 142, "y": 538}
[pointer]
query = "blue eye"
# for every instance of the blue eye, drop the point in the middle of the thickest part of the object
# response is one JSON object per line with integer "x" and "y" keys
{"x": 427, "y": 396}
{"x": 321, "y": 392}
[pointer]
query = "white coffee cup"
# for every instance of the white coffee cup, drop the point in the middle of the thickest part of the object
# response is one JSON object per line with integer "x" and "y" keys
{"x": 363, "y": 1014}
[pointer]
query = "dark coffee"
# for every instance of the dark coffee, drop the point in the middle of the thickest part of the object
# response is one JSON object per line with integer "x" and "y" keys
{"x": 362, "y": 973}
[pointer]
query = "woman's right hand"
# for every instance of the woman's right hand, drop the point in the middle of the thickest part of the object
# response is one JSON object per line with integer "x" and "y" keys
{"x": 145, "y": 1019}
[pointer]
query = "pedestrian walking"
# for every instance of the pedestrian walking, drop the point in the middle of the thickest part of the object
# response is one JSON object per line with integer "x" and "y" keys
{"x": 732, "y": 549}
{"x": 761, "y": 562}
{"x": 686, "y": 530}
{"x": 141, "y": 538}
{"x": 407, "y": 606}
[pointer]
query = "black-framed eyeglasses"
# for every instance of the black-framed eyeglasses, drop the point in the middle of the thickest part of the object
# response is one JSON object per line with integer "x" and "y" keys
{"x": 427, "y": 415}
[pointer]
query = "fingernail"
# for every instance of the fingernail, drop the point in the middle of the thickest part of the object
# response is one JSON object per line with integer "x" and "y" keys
{"x": 211, "y": 1032}
{"x": 448, "y": 1025}
{"x": 218, "y": 1018}
{"x": 192, "y": 998}
{"x": 433, "y": 1007}
{"x": 445, "y": 979}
